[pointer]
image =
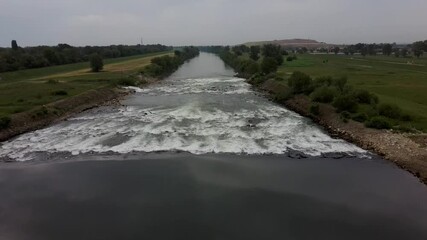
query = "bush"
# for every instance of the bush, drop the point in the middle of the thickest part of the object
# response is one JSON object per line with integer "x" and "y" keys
{"x": 323, "y": 94}
{"x": 365, "y": 97}
{"x": 323, "y": 81}
{"x": 248, "y": 66}
{"x": 258, "y": 79}
{"x": 269, "y": 65}
{"x": 300, "y": 83}
{"x": 60, "y": 93}
{"x": 96, "y": 62}
{"x": 4, "y": 122}
{"x": 340, "y": 83}
{"x": 43, "y": 111}
{"x": 52, "y": 81}
{"x": 283, "y": 96}
{"x": 406, "y": 117}
{"x": 345, "y": 116}
{"x": 291, "y": 58}
{"x": 406, "y": 129}
{"x": 379, "y": 123}
{"x": 345, "y": 103}
{"x": 126, "y": 82}
{"x": 315, "y": 109}
{"x": 360, "y": 117}
{"x": 389, "y": 110}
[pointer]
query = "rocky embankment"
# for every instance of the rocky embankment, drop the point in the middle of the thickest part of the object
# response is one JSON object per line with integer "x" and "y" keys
{"x": 408, "y": 151}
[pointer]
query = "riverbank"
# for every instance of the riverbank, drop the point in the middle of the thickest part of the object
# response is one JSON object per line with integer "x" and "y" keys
{"x": 58, "y": 111}
{"x": 399, "y": 148}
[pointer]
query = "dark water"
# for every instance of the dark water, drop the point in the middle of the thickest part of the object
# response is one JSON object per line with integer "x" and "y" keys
{"x": 119, "y": 173}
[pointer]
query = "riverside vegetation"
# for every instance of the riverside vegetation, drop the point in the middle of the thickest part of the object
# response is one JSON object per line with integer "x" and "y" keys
{"x": 45, "y": 94}
{"x": 368, "y": 95}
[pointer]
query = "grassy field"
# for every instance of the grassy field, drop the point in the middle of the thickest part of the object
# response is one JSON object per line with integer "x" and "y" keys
{"x": 26, "y": 89}
{"x": 402, "y": 81}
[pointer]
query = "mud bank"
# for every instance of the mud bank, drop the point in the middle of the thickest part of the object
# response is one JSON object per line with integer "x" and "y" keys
{"x": 396, "y": 147}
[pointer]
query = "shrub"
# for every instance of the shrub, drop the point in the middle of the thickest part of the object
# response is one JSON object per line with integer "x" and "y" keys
{"x": 389, "y": 110}
{"x": 300, "y": 83}
{"x": 365, "y": 97}
{"x": 406, "y": 117}
{"x": 60, "y": 93}
{"x": 258, "y": 79}
{"x": 345, "y": 116}
{"x": 340, "y": 83}
{"x": 269, "y": 65}
{"x": 4, "y": 122}
{"x": 378, "y": 123}
{"x": 315, "y": 109}
{"x": 322, "y": 81}
{"x": 283, "y": 96}
{"x": 360, "y": 117}
{"x": 52, "y": 81}
{"x": 345, "y": 103}
{"x": 406, "y": 129}
{"x": 96, "y": 62}
{"x": 126, "y": 82}
{"x": 323, "y": 94}
{"x": 43, "y": 111}
{"x": 248, "y": 66}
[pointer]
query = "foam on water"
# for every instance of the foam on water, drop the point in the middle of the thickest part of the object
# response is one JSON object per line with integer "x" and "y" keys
{"x": 204, "y": 115}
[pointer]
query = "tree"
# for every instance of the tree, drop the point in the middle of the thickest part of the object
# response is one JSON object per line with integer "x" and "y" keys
{"x": 364, "y": 51}
{"x": 404, "y": 52}
{"x": 14, "y": 45}
{"x": 237, "y": 50}
{"x": 418, "y": 48}
{"x": 387, "y": 49}
{"x": 269, "y": 65}
{"x": 336, "y": 50}
{"x": 255, "y": 50}
{"x": 300, "y": 83}
{"x": 96, "y": 63}
{"x": 51, "y": 56}
{"x": 273, "y": 51}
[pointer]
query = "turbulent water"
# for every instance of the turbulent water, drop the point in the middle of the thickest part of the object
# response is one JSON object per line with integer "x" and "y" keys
{"x": 201, "y": 109}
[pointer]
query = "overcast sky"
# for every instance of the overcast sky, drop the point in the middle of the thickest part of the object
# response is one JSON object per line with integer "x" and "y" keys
{"x": 202, "y": 22}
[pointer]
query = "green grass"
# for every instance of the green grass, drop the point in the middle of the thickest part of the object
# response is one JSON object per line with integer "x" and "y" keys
{"x": 26, "y": 89}
{"x": 392, "y": 79}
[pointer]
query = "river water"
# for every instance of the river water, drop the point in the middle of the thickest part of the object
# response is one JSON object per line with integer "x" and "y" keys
{"x": 201, "y": 155}
{"x": 200, "y": 109}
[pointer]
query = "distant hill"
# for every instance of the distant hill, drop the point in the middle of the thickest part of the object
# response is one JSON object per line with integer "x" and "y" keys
{"x": 294, "y": 43}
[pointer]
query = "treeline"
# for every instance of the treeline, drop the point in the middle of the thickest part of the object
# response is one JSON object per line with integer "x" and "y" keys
{"x": 260, "y": 60}
{"x": 165, "y": 65}
{"x": 416, "y": 49}
{"x": 17, "y": 58}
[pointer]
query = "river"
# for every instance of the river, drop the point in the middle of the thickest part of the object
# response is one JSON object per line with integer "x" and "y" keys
{"x": 201, "y": 155}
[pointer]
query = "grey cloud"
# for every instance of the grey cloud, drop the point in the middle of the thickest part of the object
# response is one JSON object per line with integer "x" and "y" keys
{"x": 103, "y": 22}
